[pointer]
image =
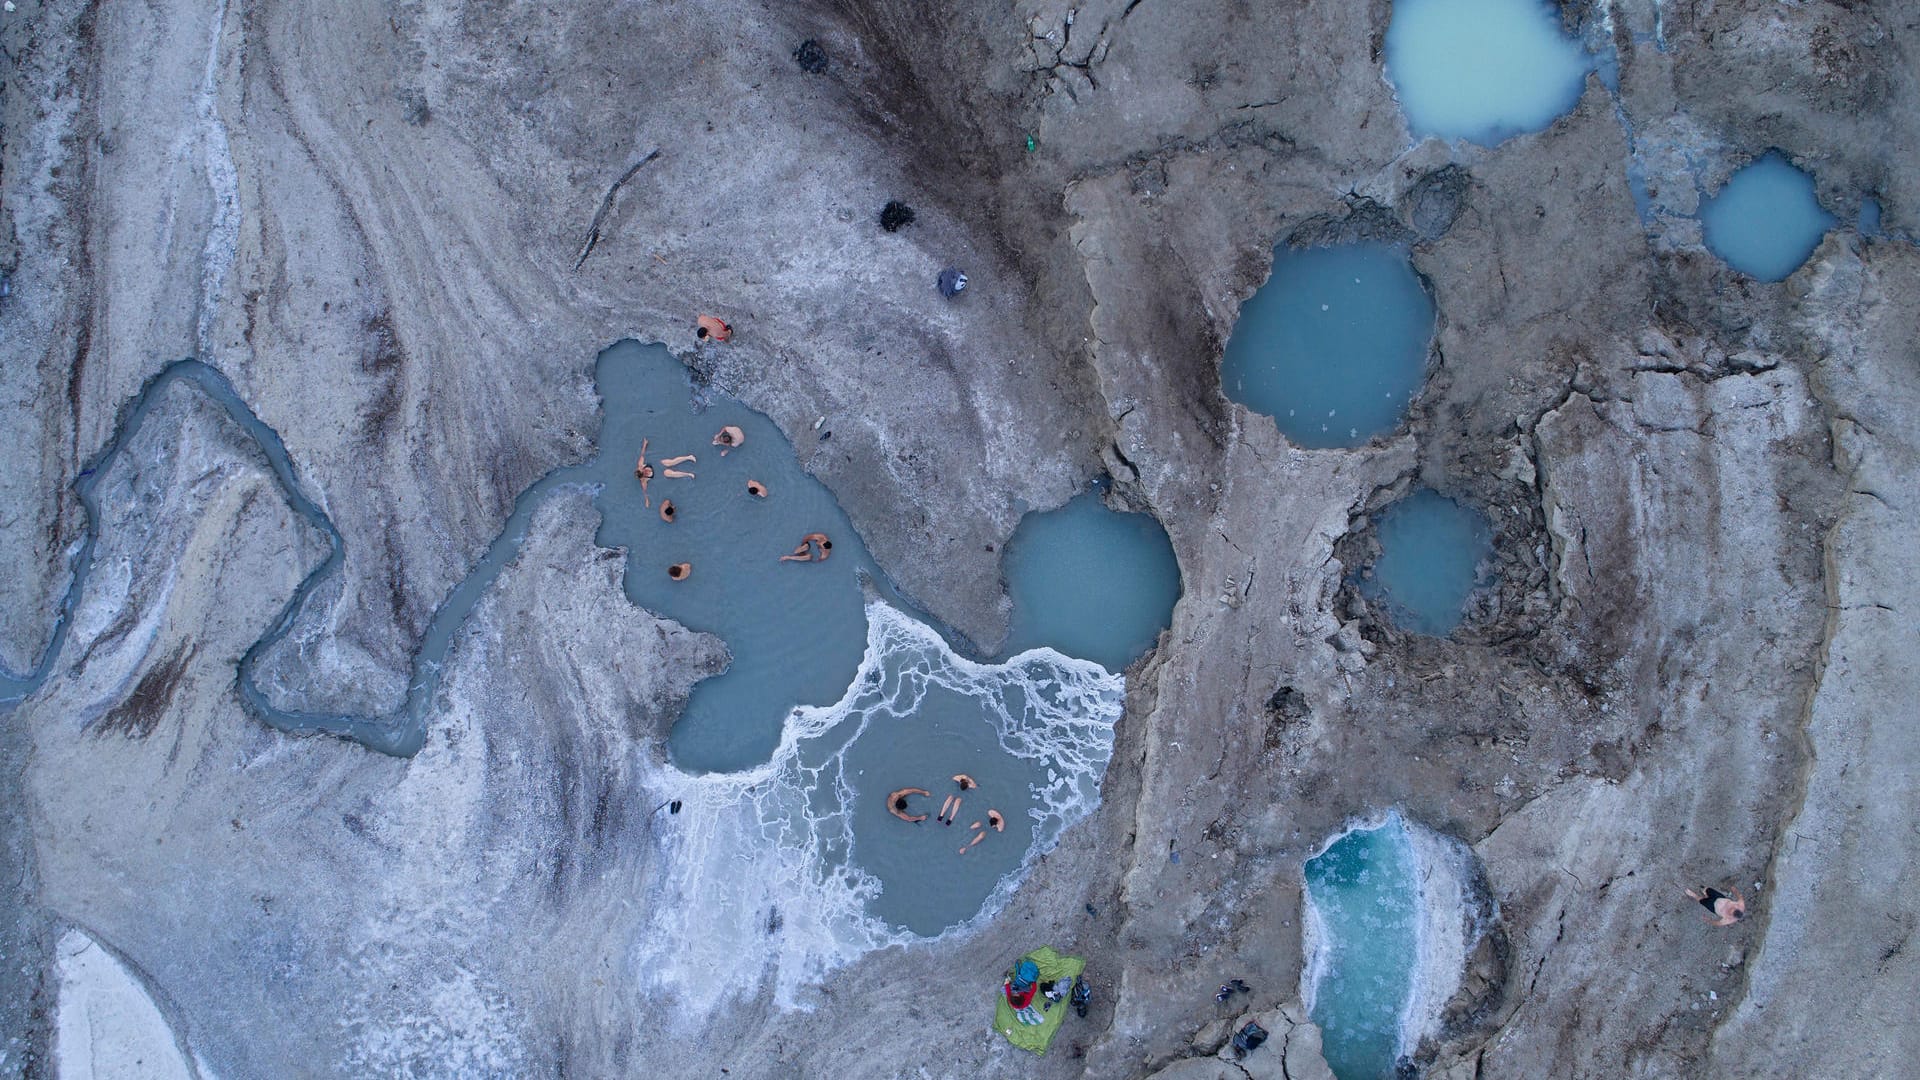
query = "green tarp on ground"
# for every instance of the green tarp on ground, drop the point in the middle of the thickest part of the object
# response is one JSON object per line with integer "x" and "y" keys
{"x": 1037, "y": 1037}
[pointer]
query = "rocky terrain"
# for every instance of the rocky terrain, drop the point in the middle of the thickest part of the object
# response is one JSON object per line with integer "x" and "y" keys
{"x": 403, "y": 232}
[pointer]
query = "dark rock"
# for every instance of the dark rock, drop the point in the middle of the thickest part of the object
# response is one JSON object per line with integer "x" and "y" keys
{"x": 895, "y": 215}
{"x": 811, "y": 57}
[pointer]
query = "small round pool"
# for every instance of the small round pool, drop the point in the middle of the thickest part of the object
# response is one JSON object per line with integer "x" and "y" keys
{"x": 1333, "y": 346}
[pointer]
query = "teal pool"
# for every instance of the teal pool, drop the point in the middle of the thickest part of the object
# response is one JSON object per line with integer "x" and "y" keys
{"x": 1432, "y": 551}
{"x": 1091, "y": 582}
{"x": 1334, "y": 345}
{"x": 1767, "y": 219}
{"x": 1482, "y": 70}
{"x": 1363, "y": 947}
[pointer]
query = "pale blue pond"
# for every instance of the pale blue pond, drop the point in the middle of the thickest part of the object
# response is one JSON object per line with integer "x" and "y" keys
{"x": 1091, "y": 582}
{"x": 1363, "y": 918}
{"x": 1333, "y": 346}
{"x": 1432, "y": 550}
{"x": 1482, "y": 70}
{"x": 796, "y": 629}
{"x": 1766, "y": 220}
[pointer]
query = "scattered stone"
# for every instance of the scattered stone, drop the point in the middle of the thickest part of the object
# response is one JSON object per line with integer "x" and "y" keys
{"x": 811, "y": 57}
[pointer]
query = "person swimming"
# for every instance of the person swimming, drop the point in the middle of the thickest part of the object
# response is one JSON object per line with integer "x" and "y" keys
{"x": 728, "y": 438}
{"x": 977, "y": 837}
{"x": 667, "y": 467}
{"x": 949, "y": 810}
{"x": 643, "y": 472}
{"x": 897, "y": 804}
{"x": 1722, "y": 909}
{"x": 666, "y": 511}
{"x": 995, "y": 819}
{"x": 756, "y": 489}
{"x": 679, "y": 571}
{"x": 966, "y": 782}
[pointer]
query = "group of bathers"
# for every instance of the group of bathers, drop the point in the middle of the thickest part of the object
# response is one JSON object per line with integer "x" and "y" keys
{"x": 949, "y": 810}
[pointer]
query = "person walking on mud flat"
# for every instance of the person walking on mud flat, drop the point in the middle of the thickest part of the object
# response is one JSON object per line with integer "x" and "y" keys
{"x": 644, "y": 473}
{"x": 1722, "y": 909}
{"x": 897, "y": 804}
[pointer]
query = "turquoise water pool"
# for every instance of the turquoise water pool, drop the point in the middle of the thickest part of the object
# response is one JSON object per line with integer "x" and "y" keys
{"x": 1333, "y": 346}
{"x": 1363, "y": 918}
{"x": 1431, "y": 553}
{"x": 1482, "y": 70}
{"x": 1766, "y": 220}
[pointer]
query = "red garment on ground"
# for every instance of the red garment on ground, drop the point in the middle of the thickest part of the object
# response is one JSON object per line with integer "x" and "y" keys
{"x": 1017, "y": 998}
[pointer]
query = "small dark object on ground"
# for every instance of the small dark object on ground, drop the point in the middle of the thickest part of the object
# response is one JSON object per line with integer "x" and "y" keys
{"x": 1240, "y": 986}
{"x": 953, "y": 282}
{"x": 1082, "y": 993}
{"x": 895, "y": 216}
{"x": 673, "y": 807}
{"x": 1093, "y": 911}
{"x": 811, "y": 57}
{"x": 1248, "y": 1039}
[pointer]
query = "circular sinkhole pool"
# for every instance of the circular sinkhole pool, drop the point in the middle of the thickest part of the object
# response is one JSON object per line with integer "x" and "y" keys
{"x": 1334, "y": 345}
{"x": 1091, "y": 582}
{"x": 1433, "y": 552}
{"x": 1766, "y": 220}
{"x": 1482, "y": 70}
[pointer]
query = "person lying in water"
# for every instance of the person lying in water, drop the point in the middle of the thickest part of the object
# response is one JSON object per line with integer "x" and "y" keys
{"x": 995, "y": 819}
{"x": 1722, "y": 910}
{"x": 966, "y": 782}
{"x": 666, "y": 511}
{"x": 814, "y": 547}
{"x": 643, "y": 472}
{"x": 897, "y": 804}
{"x": 948, "y": 810}
{"x": 728, "y": 438}
{"x": 756, "y": 489}
{"x": 667, "y": 467}
{"x": 977, "y": 837}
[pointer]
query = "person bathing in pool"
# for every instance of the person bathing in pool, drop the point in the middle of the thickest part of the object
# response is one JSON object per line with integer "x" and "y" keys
{"x": 814, "y": 547}
{"x": 643, "y": 472}
{"x": 897, "y": 804}
{"x": 728, "y": 438}
{"x": 668, "y": 464}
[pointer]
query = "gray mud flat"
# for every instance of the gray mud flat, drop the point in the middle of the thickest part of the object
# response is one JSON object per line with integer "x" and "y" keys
{"x": 1694, "y": 667}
